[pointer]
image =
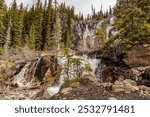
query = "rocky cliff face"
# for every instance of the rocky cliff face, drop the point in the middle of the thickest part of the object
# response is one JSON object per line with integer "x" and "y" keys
{"x": 84, "y": 36}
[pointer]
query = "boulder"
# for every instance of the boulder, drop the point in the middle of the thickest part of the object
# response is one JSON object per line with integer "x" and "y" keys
{"x": 127, "y": 86}
{"x": 144, "y": 88}
{"x": 66, "y": 90}
{"x": 118, "y": 88}
{"x": 129, "y": 81}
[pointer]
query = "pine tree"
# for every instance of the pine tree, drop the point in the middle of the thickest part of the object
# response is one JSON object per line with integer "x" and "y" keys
{"x": 132, "y": 20}
{"x": 57, "y": 32}
{"x": 2, "y": 27}
{"x": 38, "y": 25}
{"x": 49, "y": 41}
{"x": 44, "y": 25}
{"x": 17, "y": 25}
{"x": 69, "y": 30}
{"x": 31, "y": 42}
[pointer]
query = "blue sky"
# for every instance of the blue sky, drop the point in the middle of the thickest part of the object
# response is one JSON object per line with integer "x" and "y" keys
{"x": 80, "y": 5}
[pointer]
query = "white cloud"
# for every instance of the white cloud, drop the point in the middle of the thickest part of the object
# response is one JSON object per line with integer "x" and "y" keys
{"x": 80, "y": 5}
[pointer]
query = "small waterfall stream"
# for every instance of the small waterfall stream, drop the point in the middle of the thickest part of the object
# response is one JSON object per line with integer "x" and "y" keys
{"x": 26, "y": 77}
{"x": 55, "y": 89}
{"x": 111, "y": 22}
{"x": 20, "y": 79}
{"x": 93, "y": 64}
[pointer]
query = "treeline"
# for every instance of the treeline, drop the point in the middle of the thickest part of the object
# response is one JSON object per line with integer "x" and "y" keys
{"x": 100, "y": 15}
{"x": 40, "y": 27}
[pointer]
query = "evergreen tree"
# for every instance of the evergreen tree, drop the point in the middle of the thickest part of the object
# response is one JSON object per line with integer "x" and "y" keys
{"x": 57, "y": 32}
{"x": 32, "y": 37}
{"x": 69, "y": 30}
{"x": 38, "y": 25}
{"x": 17, "y": 25}
{"x": 132, "y": 20}
{"x": 44, "y": 25}
{"x": 2, "y": 27}
{"x": 49, "y": 41}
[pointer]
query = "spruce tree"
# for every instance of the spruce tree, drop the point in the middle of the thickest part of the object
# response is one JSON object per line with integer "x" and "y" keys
{"x": 38, "y": 25}
{"x": 69, "y": 30}
{"x": 132, "y": 20}
{"x": 49, "y": 41}
{"x": 17, "y": 25}
{"x": 57, "y": 32}
{"x": 31, "y": 41}
{"x": 2, "y": 27}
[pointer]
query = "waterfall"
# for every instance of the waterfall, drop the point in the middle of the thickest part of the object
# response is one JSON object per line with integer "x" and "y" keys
{"x": 108, "y": 31}
{"x": 111, "y": 22}
{"x": 85, "y": 38}
{"x": 99, "y": 71}
{"x": 93, "y": 64}
{"x": 55, "y": 89}
{"x": 86, "y": 35}
{"x": 20, "y": 79}
{"x": 26, "y": 77}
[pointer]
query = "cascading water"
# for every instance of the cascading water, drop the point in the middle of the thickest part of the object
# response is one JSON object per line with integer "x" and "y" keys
{"x": 85, "y": 39}
{"x": 112, "y": 21}
{"x": 20, "y": 78}
{"x": 85, "y": 36}
{"x": 109, "y": 28}
{"x": 93, "y": 64}
{"x": 26, "y": 77}
{"x": 55, "y": 89}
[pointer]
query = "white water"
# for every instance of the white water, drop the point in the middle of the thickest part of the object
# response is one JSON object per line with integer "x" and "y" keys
{"x": 55, "y": 89}
{"x": 112, "y": 21}
{"x": 86, "y": 35}
{"x": 25, "y": 78}
{"x": 20, "y": 79}
{"x": 93, "y": 63}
